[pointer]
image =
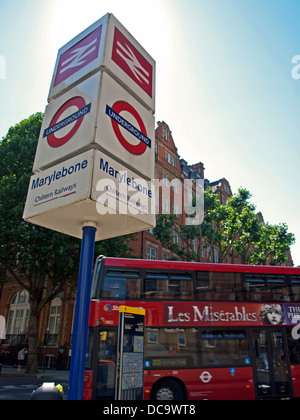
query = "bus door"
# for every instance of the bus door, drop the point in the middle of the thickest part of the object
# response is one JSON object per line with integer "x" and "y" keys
{"x": 272, "y": 375}
{"x": 105, "y": 361}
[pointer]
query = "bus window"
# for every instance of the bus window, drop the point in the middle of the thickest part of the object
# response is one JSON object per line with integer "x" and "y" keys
{"x": 181, "y": 286}
{"x": 176, "y": 348}
{"x": 224, "y": 348}
{"x": 156, "y": 285}
{"x": 266, "y": 288}
{"x": 106, "y": 364}
{"x": 162, "y": 285}
{"x": 219, "y": 286}
{"x": 295, "y": 284}
{"x": 89, "y": 350}
{"x": 118, "y": 284}
{"x": 133, "y": 288}
{"x": 96, "y": 279}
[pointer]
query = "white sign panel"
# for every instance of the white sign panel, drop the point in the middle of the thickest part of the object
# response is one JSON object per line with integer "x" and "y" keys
{"x": 118, "y": 124}
{"x": 60, "y": 185}
{"x": 106, "y": 45}
{"x": 125, "y": 128}
{"x": 69, "y": 124}
{"x": 91, "y": 187}
{"x": 119, "y": 190}
{"x": 129, "y": 63}
{"x": 79, "y": 57}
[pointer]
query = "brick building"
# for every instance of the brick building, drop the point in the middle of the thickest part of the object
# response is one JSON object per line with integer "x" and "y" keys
{"x": 54, "y": 329}
{"x": 56, "y": 319}
{"x": 169, "y": 166}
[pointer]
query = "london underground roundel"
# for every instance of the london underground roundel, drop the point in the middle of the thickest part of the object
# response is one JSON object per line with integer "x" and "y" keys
{"x": 139, "y": 133}
{"x": 56, "y": 124}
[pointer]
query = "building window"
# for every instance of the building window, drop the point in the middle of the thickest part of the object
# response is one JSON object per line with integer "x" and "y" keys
{"x": 165, "y": 134}
{"x": 165, "y": 179}
{"x": 194, "y": 245}
{"x": 170, "y": 159}
{"x": 175, "y": 237}
{"x": 209, "y": 256}
{"x": 156, "y": 198}
{"x": 175, "y": 208}
{"x": 175, "y": 185}
{"x": 165, "y": 205}
{"x": 54, "y": 317}
{"x": 18, "y": 313}
{"x": 151, "y": 253}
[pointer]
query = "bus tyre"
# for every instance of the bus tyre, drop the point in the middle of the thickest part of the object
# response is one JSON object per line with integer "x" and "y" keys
{"x": 167, "y": 389}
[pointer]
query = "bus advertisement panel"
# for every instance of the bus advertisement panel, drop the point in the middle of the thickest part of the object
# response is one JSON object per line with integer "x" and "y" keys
{"x": 189, "y": 314}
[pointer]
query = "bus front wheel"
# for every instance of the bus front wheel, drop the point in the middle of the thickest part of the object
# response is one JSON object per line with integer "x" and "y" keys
{"x": 167, "y": 389}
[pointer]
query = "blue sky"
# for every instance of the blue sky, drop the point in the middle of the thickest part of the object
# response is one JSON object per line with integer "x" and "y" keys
{"x": 224, "y": 82}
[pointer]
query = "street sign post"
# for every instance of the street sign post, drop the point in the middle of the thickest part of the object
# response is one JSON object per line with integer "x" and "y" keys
{"x": 95, "y": 156}
{"x": 82, "y": 312}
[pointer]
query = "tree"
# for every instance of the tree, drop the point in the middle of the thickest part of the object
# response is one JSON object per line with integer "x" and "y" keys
{"x": 40, "y": 260}
{"x": 240, "y": 228}
{"x": 164, "y": 232}
{"x": 233, "y": 229}
{"x": 273, "y": 244}
{"x": 211, "y": 233}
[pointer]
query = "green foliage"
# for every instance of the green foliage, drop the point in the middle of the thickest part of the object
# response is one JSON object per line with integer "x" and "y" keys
{"x": 164, "y": 230}
{"x": 232, "y": 229}
{"x": 273, "y": 244}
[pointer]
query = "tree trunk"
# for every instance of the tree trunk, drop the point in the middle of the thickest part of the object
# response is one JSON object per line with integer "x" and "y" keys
{"x": 32, "y": 363}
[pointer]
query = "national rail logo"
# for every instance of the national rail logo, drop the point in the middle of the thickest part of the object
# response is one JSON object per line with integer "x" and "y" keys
{"x": 78, "y": 56}
{"x": 132, "y": 62}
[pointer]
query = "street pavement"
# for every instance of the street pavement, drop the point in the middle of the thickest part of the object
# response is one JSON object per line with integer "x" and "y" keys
{"x": 16, "y": 385}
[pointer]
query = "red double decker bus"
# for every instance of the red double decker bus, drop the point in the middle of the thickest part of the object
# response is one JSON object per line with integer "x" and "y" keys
{"x": 213, "y": 331}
